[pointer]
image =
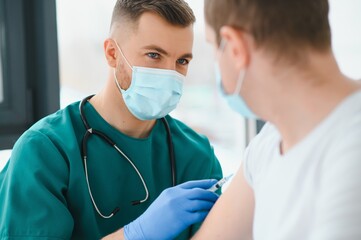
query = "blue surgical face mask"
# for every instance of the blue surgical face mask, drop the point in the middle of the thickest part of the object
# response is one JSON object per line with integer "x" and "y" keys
{"x": 234, "y": 100}
{"x": 153, "y": 93}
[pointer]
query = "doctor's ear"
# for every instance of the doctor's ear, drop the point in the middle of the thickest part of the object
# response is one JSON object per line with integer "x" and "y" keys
{"x": 237, "y": 44}
{"x": 110, "y": 51}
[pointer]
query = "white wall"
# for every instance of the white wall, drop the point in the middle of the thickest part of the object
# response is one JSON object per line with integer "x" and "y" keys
{"x": 4, "y": 156}
{"x": 345, "y": 20}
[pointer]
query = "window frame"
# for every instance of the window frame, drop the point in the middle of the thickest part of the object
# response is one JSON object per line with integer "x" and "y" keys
{"x": 30, "y": 68}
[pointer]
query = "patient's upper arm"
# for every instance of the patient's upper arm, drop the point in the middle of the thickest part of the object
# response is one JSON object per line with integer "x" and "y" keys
{"x": 232, "y": 215}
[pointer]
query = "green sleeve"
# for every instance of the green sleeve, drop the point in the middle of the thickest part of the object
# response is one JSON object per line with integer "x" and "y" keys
{"x": 33, "y": 191}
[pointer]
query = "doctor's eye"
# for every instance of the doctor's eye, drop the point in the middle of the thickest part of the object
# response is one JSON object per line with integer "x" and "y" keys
{"x": 183, "y": 61}
{"x": 153, "y": 55}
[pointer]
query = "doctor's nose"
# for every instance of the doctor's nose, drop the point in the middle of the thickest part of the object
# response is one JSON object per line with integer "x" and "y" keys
{"x": 170, "y": 65}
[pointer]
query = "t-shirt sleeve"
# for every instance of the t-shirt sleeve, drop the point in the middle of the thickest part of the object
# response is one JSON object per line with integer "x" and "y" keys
{"x": 252, "y": 157}
{"x": 33, "y": 191}
{"x": 338, "y": 208}
{"x": 246, "y": 167}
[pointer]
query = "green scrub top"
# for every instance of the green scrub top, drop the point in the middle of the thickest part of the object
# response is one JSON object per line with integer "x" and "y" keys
{"x": 43, "y": 190}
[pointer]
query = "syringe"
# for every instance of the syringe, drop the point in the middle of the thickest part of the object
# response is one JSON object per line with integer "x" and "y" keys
{"x": 220, "y": 183}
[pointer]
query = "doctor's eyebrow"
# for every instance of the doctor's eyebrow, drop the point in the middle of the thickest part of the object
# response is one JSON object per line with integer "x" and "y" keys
{"x": 164, "y": 52}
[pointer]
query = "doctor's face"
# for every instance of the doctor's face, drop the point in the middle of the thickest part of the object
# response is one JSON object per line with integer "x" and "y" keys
{"x": 153, "y": 43}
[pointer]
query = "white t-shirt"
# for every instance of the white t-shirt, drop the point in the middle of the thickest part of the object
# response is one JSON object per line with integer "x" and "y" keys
{"x": 314, "y": 190}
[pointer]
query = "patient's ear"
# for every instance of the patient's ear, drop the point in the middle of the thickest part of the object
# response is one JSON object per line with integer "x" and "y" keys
{"x": 237, "y": 42}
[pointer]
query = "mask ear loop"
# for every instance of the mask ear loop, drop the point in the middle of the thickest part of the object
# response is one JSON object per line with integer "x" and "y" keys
{"x": 116, "y": 81}
{"x": 121, "y": 52}
{"x": 114, "y": 72}
{"x": 240, "y": 80}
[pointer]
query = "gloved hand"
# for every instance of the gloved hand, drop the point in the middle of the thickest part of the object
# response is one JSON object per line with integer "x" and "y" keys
{"x": 174, "y": 210}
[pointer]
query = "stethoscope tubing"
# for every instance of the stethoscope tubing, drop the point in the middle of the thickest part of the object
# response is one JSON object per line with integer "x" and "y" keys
{"x": 90, "y": 131}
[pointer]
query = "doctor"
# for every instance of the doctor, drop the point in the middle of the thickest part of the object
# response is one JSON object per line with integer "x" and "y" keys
{"x": 300, "y": 177}
{"x": 104, "y": 163}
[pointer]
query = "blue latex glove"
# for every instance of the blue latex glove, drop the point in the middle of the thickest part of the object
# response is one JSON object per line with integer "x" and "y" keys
{"x": 174, "y": 210}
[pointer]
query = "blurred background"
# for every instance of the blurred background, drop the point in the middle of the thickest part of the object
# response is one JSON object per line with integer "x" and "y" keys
{"x": 82, "y": 27}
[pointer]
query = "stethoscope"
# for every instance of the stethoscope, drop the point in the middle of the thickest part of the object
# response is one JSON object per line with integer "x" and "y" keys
{"x": 91, "y": 131}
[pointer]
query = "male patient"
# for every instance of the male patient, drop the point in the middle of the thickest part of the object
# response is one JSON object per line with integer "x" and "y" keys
{"x": 300, "y": 177}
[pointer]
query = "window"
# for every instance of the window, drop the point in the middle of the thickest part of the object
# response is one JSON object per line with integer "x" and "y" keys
{"x": 1, "y": 45}
{"x": 12, "y": 105}
{"x": 1, "y": 79}
{"x": 1, "y": 84}
{"x": 29, "y": 66}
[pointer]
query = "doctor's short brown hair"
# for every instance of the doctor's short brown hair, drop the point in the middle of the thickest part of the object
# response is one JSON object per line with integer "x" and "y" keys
{"x": 176, "y": 12}
{"x": 284, "y": 27}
